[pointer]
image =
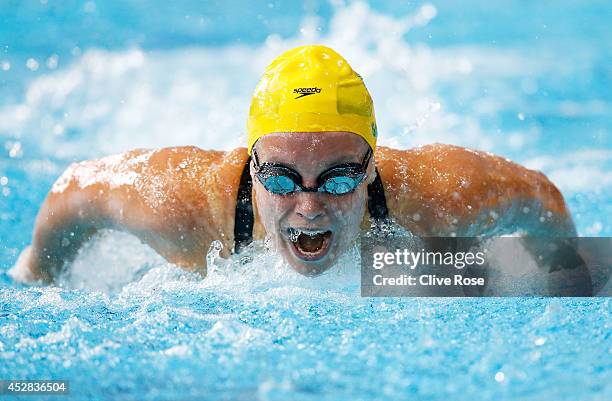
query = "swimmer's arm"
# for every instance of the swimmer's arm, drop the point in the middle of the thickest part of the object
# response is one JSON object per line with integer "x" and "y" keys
{"x": 448, "y": 191}
{"x": 176, "y": 200}
{"x": 64, "y": 223}
{"x": 444, "y": 190}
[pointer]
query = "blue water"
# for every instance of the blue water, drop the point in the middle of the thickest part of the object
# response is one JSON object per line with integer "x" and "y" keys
{"x": 80, "y": 79}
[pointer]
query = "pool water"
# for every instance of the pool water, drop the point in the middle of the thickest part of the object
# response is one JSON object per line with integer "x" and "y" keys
{"x": 83, "y": 79}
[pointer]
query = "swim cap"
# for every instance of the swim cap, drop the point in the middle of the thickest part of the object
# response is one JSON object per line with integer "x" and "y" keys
{"x": 311, "y": 89}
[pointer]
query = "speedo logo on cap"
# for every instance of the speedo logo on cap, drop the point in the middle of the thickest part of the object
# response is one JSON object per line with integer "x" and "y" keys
{"x": 301, "y": 92}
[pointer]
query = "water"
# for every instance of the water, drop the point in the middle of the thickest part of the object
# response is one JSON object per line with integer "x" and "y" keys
{"x": 83, "y": 79}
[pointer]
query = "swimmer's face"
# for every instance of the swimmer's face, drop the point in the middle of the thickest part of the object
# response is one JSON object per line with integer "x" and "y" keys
{"x": 310, "y": 229}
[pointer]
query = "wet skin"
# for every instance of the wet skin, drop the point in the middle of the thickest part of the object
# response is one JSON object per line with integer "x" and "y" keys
{"x": 310, "y": 154}
{"x": 178, "y": 200}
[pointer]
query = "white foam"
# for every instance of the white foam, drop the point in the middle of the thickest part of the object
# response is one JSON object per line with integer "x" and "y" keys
{"x": 117, "y": 263}
{"x": 181, "y": 351}
{"x": 109, "y": 262}
{"x": 236, "y": 334}
{"x": 65, "y": 333}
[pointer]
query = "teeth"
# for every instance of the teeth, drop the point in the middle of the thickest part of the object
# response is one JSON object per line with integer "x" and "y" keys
{"x": 295, "y": 233}
{"x": 312, "y": 233}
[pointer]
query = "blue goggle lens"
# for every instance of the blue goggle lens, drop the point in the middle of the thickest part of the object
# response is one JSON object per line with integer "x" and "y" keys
{"x": 340, "y": 185}
{"x": 337, "y": 185}
{"x": 279, "y": 184}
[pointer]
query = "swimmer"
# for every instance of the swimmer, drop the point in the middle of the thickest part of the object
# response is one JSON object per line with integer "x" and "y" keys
{"x": 311, "y": 177}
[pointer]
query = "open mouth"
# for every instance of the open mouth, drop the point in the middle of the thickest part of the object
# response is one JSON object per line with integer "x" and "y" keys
{"x": 309, "y": 244}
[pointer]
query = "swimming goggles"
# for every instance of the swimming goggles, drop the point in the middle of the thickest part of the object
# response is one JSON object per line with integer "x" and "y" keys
{"x": 337, "y": 180}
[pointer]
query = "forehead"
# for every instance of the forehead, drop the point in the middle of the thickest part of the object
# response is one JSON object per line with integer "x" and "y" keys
{"x": 295, "y": 146}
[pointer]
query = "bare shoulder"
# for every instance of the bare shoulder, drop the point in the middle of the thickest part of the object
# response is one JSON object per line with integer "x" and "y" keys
{"x": 151, "y": 169}
{"x": 182, "y": 193}
{"x": 443, "y": 189}
{"x": 194, "y": 188}
{"x": 189, "y": 171}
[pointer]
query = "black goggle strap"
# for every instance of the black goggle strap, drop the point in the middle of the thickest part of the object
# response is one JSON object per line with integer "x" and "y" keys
{"x": 244, "y": 218}
{"x": 366, "y": 159}
{"x": 255, "y": 159}
{"x": 377, "y": 202}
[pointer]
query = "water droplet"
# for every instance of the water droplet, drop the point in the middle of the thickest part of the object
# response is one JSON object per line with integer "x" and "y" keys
{"x": 428, "y": 11}
{"x": 213, "y": 253}
{"x": 52, "y": 61}
{"x": 539, "y": 341}
{"x": 32, "y": 64}
{"x": 58, "y": 129}
{"x": 15, "y": 150}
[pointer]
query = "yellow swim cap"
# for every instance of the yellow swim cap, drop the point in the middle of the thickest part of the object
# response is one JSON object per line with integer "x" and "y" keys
{"x": 311, "y": 89}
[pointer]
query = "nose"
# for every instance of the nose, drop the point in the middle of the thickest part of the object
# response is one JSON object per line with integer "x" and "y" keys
{"x": 310, "y": 206}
